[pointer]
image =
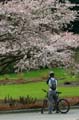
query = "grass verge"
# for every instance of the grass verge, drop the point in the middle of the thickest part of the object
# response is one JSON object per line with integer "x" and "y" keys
{"x": 34, "y": 90}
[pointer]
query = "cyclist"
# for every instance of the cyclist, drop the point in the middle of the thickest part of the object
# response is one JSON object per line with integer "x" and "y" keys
{"x": 52, "y": 96}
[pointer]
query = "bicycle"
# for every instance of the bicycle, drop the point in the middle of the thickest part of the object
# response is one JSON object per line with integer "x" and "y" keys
{"x": 62, "y": 105}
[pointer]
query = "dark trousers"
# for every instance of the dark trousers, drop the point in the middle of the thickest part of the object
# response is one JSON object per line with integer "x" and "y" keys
{"x": 52, "y": 98}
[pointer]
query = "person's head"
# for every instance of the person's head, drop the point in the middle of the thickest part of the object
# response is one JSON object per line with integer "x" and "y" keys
{"x": 51, "y": 74}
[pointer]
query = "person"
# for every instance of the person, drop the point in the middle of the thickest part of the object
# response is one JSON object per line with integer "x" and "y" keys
{"x": 52, "y": 96}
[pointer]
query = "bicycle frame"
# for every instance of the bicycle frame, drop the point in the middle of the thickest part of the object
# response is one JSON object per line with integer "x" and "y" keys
{"x": 47, "y": 93}
{"x": 61, "y": 105}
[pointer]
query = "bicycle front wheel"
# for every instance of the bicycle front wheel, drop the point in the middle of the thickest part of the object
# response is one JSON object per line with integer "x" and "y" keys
{"x": 63, "y": 106}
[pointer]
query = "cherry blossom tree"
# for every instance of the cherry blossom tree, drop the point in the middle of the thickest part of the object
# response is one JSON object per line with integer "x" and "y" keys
{"x": 32, "y": 31}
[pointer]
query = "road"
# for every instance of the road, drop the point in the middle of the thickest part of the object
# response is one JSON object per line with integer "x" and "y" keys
{"x": 72, "y": 115}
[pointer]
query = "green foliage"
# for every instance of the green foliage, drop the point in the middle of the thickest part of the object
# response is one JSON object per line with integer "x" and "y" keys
{"x": 60, "y": 73}
{"x": 21, "y": 100}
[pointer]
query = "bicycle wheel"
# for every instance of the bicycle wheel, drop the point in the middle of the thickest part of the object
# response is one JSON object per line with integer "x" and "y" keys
{"x": 44, "y": 106}
{"x": 63, "y": 106}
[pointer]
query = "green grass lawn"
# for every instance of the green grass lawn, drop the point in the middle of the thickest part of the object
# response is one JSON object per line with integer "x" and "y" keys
{"x": 34, "y": 90}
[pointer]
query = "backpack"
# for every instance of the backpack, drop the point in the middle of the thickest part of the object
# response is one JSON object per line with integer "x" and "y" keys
{"x": 53, "y": 84}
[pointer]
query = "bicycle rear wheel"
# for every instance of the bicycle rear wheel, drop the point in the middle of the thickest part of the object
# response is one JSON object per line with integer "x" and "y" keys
{"x": 44, "y": 106}
{"x": 63, "y": 106}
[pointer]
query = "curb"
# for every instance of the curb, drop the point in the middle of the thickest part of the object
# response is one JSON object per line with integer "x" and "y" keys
{"x": 20, "y": 111}
{"x": 29, "y": 110}
{"x": 74, "y": 107}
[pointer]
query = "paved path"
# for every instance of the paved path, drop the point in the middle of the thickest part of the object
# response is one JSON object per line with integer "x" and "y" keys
{"x": 72, "y": 115}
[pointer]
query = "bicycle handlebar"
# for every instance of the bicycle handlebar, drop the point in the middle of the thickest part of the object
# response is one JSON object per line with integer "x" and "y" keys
{"x": 44, "y": 90}
{"x": 58, "y": 92}
{"x": 47, "y": 91}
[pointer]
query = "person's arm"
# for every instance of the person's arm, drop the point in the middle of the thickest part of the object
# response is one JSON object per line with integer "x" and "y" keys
{"x": 47, "y": 81}
{"x": 50, "y": 84}
{"x": 56, "y": 85}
